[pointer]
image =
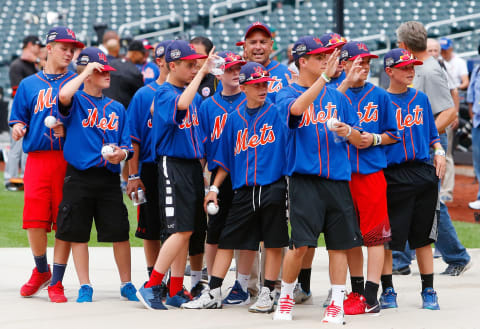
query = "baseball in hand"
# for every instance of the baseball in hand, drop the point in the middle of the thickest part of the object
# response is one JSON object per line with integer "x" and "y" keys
{"x": 107, "y": 149}
{"x": 332, "y": 123}
{"x": 212, "y": 208}
{"x": 50, "y": 121}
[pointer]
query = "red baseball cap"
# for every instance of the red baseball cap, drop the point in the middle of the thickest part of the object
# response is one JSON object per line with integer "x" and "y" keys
{"x": 252, "y": 27}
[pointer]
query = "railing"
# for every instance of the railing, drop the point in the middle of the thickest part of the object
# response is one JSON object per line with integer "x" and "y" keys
{"x": 211, "y": 13}
{"x": 168, "y": 17}
{"x": 451, "y": 20}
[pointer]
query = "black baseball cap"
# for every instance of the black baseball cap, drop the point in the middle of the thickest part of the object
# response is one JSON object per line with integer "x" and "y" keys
{"x": 137, "y": 45}
{"x": 33, "y": 39}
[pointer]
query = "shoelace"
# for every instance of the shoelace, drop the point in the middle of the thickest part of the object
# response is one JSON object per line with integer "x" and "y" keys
{"x": 333, "y": 310}
{"x": 265, "y": 298}
{"x": 286, "y": 304}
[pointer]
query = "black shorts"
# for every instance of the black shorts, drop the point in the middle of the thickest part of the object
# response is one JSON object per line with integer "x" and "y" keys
{"x": 90, "y": 194}
{"x": 216, "y": 223}
{"x": 150, "y": 221}
{"x": 412, "y": 194}
{"x": 322, "y": 205}
{"x": 181, "y": 193}
{"x": 257, "y": 214}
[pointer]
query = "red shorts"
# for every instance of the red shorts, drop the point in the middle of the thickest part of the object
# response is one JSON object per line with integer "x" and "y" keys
{"x": 43, "y": 183}
{"x": 369, "y": 193}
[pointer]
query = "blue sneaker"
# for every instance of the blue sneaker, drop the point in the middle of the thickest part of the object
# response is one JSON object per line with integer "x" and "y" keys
{"x": 85, "y": 294}
{"x": 388, "y": 299}
{"x": 151, "y": 298}
{"x": 180, "y": 298}
{"x": 430, "y": 299}
{"x": 237, "y": 296}
{"x": 128, "y": 292}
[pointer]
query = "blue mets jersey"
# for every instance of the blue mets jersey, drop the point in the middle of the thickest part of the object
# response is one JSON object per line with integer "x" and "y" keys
{"x": 312, "y": 148}
{"x": 177, "y": 133}
{"x": 212, "y": 117}
{"x": 376, "y": 114}
{"x": 150, "y": 72}
{"x": 252, "y": 146}
{"x": 277, "y": 71}
{"x": 335, "y": 82}
{"x": 92, "y": 122}
{"x": 140, "y": 120}
{"x": 416, "y": 125}
{"x": 37, "y": 98}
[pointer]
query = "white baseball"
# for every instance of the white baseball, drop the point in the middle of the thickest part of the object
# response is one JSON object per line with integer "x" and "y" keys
{"x": 212, "y": 208}
{"x": 50, "y": 121}
{"x": 107, "y": 149}
{"x": 332, "y": 123}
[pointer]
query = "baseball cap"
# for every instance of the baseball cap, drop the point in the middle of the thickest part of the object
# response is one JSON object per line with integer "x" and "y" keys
{"x": 307, "y": 45}
{"x": 33, "y": 39}
{"x": 332, "y": 40}
{"x": 63, "y": 34}
{"x": 181, "y": 50}
{"x": 231, "y": 59}
{"x": 136, "y": 45}
{"x": 399, "y": 57}
{"x": 252, "y": 27}
{"x": 253, "y": 72}
{"x": 353, "y": 49}
{"x": 161, "y": 47}
{"x": 147, "y": 44}
{"x": 445, "y": 43}
{"x": 94, "y": 55}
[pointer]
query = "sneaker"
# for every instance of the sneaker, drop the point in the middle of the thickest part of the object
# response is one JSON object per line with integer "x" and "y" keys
{"x": 264, "y": 303}
{"x": 180, "y": 298}
{"x": 328, "y": 300}
{"x": 402, "y": 271}
{"x": 129, "y": 292}
{"x": 284, "y": 309}
{"x": 85, "y": 294}
{"x": 198, "y": 288}
{"x": 372, "y": 309}
{"x": 456, "y": 270}
{"x": 237, "y": 296}
{"x": 208, "y": 299}
{"x": 300, "y": 296}
{"x": 36, "y": 282}
{"x": 430, "y": 299}
{"x": 354, "y": 304}
{"x": 151, "y": 297}
{"x": 388, "y": 299}
{"x": 333, "y": 314}
{"x": 474, "y": 205}
{"x": 446, "y": 198}
{"x": 56, "y": 293}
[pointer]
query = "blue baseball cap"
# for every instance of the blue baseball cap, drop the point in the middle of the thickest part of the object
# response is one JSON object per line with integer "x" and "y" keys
{"x": 332, "y": 40}
{"x": 231, "y": 59}
{"x": 253, "y": 72}
{"x": 252, "y": 27}
{"x": 353, "y": 49}
{"x": 307, "y": 45}
{"x": 181, "y": 50}
{"x": 94, "y": 55}
{"x": 445, "y": 43}
{"x": 63, "y": 34}
{"x": 399, "y": 57}
{"x": 161, "y": 47}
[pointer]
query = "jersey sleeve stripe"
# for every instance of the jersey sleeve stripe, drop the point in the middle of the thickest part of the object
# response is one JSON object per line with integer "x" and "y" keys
{"x": 221, "y": 164}
{"x": 392, "y": 135}
{"x": 135, "y": 138}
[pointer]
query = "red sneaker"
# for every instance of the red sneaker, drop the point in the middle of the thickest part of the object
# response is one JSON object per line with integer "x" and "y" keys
{"x": 37, "y": 281}
{"x": 354, "y": 304}
{"x": 56, "y": 294}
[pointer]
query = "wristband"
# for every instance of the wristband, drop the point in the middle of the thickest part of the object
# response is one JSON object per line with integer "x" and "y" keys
{"x": 126, "y": 154}
{"x": 377, "y": 139}
{"x": 214, "y": 189}
{"x": 349, "y": 132}
{"x": 133, "y": 177}
{"x": 325, "y": 77}
{"x": 440, "y": 152}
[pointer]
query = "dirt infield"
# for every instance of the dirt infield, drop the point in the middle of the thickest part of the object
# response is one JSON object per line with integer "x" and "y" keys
{"x": 465, "y": 191}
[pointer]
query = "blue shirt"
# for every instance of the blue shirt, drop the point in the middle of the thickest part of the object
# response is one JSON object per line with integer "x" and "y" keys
{"x": 150, "y": 72}
{"x": 277, "y": 71}
{"x": 335, "y": 82}
{"x": 473, "y": 95}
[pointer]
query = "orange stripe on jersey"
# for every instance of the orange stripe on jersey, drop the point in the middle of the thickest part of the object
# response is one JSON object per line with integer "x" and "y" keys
{"x": 403, "y": 132}
{"x": 411, "y": 135}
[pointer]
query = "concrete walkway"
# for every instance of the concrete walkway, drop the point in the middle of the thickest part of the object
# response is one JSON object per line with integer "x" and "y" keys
{"x": 458, "y": 297}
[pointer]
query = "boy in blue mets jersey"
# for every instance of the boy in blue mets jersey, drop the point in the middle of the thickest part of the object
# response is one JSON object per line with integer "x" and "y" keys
{"x": 98, "y": 140}
{"x": 253, "y": 139}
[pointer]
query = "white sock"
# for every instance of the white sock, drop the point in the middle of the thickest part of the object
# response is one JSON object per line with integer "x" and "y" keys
{"x": 166, "y": 277}
{"x": 123, "y": 284}
{"x": 243, "y": 280}
{"x": 195, "y": 277}
{"x": 287, "y": 289}
{"x": 209, "y": 277}
{"x": 338, "y": 294}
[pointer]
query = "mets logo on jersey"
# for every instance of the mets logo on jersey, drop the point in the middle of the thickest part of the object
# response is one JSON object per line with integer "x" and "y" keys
{"x": 149, "y": 123}
{"x": 310, "y": 117}
{"x": 370, "y": 114}
{"x": 218, "y": 126}
{"x": 410, "y": 119}
{"x": 244, "y": 142}
{"x": 274, "y": 86}
{"x": 104, "y": 124}
{"x": 44, "y": 100}
{"x": 189, "y": 120}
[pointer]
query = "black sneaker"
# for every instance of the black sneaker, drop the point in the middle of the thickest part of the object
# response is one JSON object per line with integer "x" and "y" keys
{"x": 456, "y": 270}
{"x": 372, "y": 308}
{"x": 197, "y": 290}
{"x": 402, "y": 271}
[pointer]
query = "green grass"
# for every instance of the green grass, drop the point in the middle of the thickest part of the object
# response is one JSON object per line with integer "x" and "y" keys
{"x": 12, "y": 234}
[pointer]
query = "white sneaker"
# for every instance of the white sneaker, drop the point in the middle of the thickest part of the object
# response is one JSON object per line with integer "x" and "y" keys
{"x": 328, "y": 300}
{"x": 300, "y": 296}
{"x": 264, "y": 303}
{"x": 474, "y": 204}
{"x": 333, "y": 314}
{"x": 208, "y": 299}
{"x": 284, "y": 309}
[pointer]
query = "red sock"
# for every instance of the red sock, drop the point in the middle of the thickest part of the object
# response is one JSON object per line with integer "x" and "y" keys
{"x": 155, "y": 279}
{"x": 176, "y": 284}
